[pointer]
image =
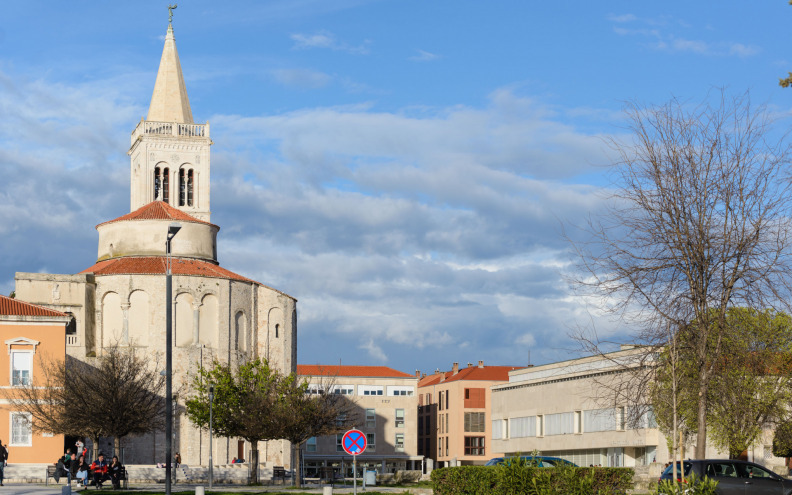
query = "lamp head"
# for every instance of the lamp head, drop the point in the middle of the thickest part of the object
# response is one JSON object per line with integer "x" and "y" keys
{"x": 173, "y": 229}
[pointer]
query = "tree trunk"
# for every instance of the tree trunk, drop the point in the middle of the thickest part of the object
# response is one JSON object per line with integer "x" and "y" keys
{"x": 117, "y": 449}
{"x": 701, "y": 434}
{"x": 297, "y": 462}
{"x": 254, "y": 463}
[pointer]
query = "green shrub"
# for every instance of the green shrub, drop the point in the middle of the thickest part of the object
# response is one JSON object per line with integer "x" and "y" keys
{"x": 464, "y": 480}
{"x": 517, "y": 478}
{"x": 705, "y": 486}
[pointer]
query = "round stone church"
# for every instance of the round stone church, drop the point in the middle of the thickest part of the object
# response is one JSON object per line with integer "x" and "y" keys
{"x": 120, "y": 300}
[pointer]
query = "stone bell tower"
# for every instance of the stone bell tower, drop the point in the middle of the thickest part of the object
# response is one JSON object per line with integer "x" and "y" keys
{"x": 169, "y": 152}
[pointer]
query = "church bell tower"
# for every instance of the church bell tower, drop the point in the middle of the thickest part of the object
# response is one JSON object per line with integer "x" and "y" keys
{"x": 169, "y": 152}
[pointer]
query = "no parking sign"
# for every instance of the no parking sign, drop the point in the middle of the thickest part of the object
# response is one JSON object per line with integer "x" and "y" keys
{"x": 354, "y": 442}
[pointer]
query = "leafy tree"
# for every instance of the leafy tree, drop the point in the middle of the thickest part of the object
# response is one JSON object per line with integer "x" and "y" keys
{"x": 303, "y": 415}
{"x": 245, "y": 400}
{"x": 117, "y": 395}
{"x": 750, "y": 384}
{"x": 697, "y": 224}
{"x": 257, "y": 402}
{"x": 782, "y": 440}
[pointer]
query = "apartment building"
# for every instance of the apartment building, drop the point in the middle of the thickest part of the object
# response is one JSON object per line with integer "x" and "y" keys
{"x": 567, "y": 409}
{"x": 564, "y": 409}
{"x": 33, "y": 335}
{"x": 454, "y": 414}
{"x": 385, "y": 409}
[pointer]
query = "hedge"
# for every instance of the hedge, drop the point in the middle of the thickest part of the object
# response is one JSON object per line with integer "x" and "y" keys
{"x": 516, "y": 479}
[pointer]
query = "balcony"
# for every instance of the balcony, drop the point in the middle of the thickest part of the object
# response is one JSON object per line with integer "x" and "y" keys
{"x": 72, "y": 340}
{"x": 172, "y": 129}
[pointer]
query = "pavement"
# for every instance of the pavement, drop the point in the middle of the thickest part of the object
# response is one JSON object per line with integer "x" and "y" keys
{"x": 40, "y": 489}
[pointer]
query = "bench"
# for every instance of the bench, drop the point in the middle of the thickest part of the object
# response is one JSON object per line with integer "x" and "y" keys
{"x": 279, "y": 472}
{"x": 51, "y": 471}
{"x": 326, "y": 474}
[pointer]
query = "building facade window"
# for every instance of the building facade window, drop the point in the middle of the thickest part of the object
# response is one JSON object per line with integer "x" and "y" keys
{"x": 21, "y": 429}
{"x": 399, "y": 445}
{"x": 344, "y": 389}
{"x": 399, "y": 418}
{"x": 371, "y": 444}
{"x": 474, "y": 445}
{"x": 339, "y": 442}
{"x": 474, "y": 422}
{"x": 310, "y": 445}
{"x": 21, "y": 368}
{"x": 370, "y": 390}
{"x": 371, "y": 418}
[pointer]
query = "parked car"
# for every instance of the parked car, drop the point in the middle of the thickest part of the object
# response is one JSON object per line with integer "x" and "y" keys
{"x": 734, "y": 477}
{"x": 540, "y": 460}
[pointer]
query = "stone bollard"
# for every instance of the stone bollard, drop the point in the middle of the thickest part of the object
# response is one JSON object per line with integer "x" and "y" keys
{"x": 327, "y": 490}
{"x": 199, "y": 490}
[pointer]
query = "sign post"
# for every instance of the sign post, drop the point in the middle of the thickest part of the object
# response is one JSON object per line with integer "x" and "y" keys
{"x": 354, "y": 443}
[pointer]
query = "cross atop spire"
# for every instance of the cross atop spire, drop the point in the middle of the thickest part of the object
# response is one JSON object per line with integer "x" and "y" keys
{"x": 170, "y": 103}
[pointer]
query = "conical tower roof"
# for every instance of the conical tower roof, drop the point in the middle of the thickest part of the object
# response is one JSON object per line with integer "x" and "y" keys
{"x": 170, "y": 103}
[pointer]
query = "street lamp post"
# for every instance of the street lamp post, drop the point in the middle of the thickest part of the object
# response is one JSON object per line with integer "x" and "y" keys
{"x": 211, "y": 466}
{"x": 173, "y": 229}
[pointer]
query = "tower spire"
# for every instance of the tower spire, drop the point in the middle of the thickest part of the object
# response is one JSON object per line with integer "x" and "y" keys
{"x": 169, "y": 102}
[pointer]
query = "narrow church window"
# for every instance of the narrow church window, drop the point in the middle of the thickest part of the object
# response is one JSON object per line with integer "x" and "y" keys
{"x": 166, "y": 186}
{"x": 190, "y": 188}
{"x": 276, "y": 330}
{"x": 182, "y": 187}
{"x": 156, "y": 183}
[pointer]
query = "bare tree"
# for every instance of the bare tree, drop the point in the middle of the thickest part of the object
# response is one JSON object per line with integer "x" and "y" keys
{"x": 698, "y": 222}
{"x": 116, "y": 396}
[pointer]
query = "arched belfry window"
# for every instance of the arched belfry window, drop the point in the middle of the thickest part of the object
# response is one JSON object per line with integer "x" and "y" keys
{"x": 166, "y": 186}
{"x": 190, "y": 188}
{"x": 157, "y": 184}
{"x": 182, "y": 188}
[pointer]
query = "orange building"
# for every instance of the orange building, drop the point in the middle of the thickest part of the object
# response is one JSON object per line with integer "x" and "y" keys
{"x": 30, "y": 333}
{"x": 454, "y": 419}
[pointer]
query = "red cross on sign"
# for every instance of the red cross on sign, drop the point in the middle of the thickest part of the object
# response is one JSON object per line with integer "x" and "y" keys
{"x": 354, "y": 442}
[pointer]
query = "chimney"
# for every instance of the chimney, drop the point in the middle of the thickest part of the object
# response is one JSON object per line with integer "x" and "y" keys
{"x": 417, "y": 373}
{"x": 481, "y": 364}
{"x": 454, "y": 368}
{"x": 470, "y": 365}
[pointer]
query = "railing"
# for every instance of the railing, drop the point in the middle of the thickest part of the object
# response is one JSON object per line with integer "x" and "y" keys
{"x": 72, "y": 340}
{"x": 170, "y": 129}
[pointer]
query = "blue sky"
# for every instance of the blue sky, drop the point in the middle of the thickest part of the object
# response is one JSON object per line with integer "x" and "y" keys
{"x": 403, "y": 168}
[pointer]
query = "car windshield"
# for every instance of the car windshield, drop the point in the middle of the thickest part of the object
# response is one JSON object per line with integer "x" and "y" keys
{"x": 668, "y": 472}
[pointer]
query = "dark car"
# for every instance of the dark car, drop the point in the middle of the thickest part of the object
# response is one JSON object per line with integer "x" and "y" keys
{"x": 734, "y": 477}
{"x": 540, "y": 460}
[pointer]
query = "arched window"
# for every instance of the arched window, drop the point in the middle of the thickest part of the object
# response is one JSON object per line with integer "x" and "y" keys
{"x": 166, "y": 186}
{"x": 190, "y": 188}
{"x": 71, "y": 327}
{"x": 157, "y": 183}
{"x": 182, "y": 187}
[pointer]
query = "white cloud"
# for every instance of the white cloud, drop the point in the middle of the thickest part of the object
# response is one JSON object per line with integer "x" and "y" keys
{"x": 622, "y": 18}
{"x": 374, "y": 351}
{"x": 407, "y": 236}
{"x": 302, "y": 78}
{"x": 661, "y": 33}
{"x": 424, "y": 56}
{"x": 326, "y": 39}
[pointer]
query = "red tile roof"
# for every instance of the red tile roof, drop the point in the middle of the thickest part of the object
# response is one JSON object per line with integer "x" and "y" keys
{"x": 343, "y": 370}
{"x": 155, "y": 265}
{"x": 157, "y": 210}
{"x": 486, "y": 373}
{"x": 14, "y": 307}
